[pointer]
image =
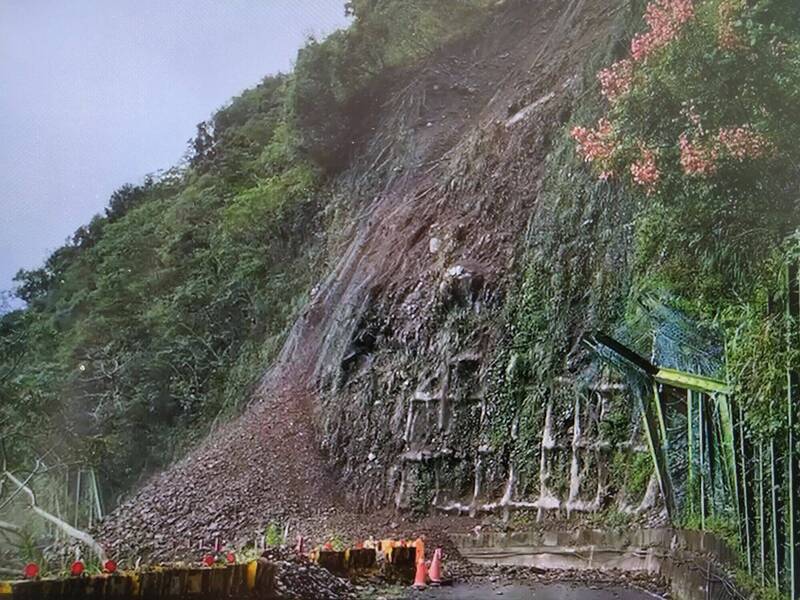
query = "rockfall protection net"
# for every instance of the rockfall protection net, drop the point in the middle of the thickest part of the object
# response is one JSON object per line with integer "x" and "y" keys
{"x": 669, "y": 338}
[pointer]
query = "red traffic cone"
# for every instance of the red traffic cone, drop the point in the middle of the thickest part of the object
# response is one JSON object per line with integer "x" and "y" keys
{"x": 436, "y": 567}
{"x": 420, "y": 580}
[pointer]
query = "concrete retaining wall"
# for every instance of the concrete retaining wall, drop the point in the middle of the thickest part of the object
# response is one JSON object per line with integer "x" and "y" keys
{"x": 684, "y": 558}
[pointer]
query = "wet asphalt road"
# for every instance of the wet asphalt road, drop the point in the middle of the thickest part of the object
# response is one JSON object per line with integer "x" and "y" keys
{"x": 528, "y": 592}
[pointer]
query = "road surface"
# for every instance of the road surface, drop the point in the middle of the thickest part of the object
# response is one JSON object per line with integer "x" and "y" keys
{"x": 528, "y": 592}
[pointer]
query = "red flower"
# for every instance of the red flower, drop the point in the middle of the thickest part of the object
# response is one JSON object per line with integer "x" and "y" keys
{"x": 727, "y": 36}
{"x": 617, "y": 80}
{"x": 110, "y": 566}
{"x": 665, "y": 19}
{"x": 744, "y": 142}
{"x": 230, "y": 557}
{"x": 645, "y": 171}
{"x": 697, "y": 159}
{"x": 595, "y": 144}
{"x": 31, "y": 571}
{"x": 209, "y": 560}
{"x": 77, "y": 568}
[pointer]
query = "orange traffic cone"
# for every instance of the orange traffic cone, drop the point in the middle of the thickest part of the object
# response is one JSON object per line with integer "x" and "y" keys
{"x": 436, "y": 567}
{"x": 419, "y": 544}
{"x": 421, "y": 576}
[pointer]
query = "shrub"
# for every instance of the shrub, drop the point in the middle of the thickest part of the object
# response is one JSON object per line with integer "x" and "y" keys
{"x": 701, "y": 120}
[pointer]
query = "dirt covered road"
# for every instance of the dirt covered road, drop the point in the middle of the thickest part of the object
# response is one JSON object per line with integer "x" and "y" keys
{"x": 526, "y": 592}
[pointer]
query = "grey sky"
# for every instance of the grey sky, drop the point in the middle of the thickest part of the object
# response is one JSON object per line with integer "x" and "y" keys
{"x": 97, "y": 93}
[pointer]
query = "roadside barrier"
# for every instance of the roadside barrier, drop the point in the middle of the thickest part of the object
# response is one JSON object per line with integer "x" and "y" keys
{"x": 254, "y": 580}
{"x": 215, "y": 579}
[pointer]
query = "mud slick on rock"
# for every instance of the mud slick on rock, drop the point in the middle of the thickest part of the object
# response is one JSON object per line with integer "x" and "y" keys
{"x": 512, "y": 91}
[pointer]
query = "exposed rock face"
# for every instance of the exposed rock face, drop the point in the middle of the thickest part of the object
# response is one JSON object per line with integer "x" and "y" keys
{"x": 389, "y": 361}
{"x": 398, "y": 342}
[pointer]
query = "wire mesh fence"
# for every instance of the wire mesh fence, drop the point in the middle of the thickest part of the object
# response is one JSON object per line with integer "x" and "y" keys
{"x": 714, "y": 472}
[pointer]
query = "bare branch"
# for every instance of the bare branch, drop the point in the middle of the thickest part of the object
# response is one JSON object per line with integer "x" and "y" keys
{"x": 71, "y": 531}
{"x": 6, "y": 526}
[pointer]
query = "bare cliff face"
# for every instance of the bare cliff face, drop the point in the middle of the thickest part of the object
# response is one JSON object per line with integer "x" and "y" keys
{"x": 399, "y": 341}
{"x": 380, "y": 397}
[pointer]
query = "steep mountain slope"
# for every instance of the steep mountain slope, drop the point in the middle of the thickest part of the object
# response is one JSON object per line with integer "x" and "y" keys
{"x": 401, "y": 335}
{"x": 393, "y": 265}
{"x": 385, "y": 371}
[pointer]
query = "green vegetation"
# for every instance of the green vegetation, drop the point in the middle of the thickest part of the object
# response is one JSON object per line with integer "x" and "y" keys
{"x": 715, "y": 216}
{"x": 757, "y": 349}
{"x": 158, "y": 317}
{"x": 684, "y": 189}
{"x": 631, "y": 471}
{"x": 706, "y": 229}
{"x": 273, "y": 536}
{"x": 424, "y": 490}
{"x": 338, "y": 81}
{"x": 675, "y": 179}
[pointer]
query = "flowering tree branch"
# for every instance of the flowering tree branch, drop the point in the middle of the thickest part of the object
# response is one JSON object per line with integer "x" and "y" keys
{"x": 646, "y": 138}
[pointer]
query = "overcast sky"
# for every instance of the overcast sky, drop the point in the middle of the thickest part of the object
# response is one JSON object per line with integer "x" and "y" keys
{"x": 97, "y": 93}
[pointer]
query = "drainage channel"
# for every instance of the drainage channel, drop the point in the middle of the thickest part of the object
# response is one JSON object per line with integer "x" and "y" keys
{"x": 688, "y": 560}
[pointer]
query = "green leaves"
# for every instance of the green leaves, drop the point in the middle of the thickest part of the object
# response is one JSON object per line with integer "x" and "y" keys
{"x": 721, "y": 72}
{"x": 159, "y": 316}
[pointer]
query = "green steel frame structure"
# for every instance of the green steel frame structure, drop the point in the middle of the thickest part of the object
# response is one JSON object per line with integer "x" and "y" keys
{"x": 756, "y": 480}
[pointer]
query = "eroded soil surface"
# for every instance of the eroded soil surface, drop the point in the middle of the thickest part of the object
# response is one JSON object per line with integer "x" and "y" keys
{"x": 272, "y": 465}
